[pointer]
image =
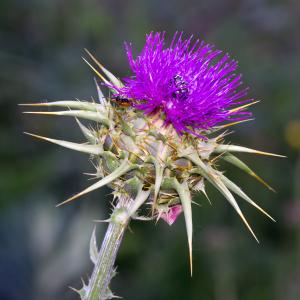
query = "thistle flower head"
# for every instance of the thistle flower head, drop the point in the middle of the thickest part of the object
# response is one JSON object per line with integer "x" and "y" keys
{"x": 192, "y": 84}
{"x": 187, "y": 86}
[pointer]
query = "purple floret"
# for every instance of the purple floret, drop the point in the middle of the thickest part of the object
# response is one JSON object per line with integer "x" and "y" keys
{"x": 191, "y": 83}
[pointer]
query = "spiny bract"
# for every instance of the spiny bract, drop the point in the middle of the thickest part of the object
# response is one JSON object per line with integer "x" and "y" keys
{"x": 151, "y": 161}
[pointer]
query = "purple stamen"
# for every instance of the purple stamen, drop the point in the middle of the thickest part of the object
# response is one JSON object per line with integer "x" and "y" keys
{"x": 190, "y": 83}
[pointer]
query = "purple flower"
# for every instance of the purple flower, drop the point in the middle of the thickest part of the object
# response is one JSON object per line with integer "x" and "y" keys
{"x": 191, "y": 83}
{"x": 172, "y": 214}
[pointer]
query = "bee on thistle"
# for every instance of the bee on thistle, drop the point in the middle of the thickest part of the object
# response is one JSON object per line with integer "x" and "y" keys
{"x": 163, "y": 149}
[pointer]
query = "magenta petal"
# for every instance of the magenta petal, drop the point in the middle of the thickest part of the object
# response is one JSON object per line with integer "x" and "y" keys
{"x": 192, "y": 83}
{"x": 172, "y": 214}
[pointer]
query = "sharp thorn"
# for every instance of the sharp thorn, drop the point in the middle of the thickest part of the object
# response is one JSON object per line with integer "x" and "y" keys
{"x": 102, "y": 221}
{"x": 90, "y": 149}
{"x": 235, "y": 148}
{"x": 235, "y": 123}
{"x": 121, "y": 170}
{"x": 244, "y": 106}
{"x": 99, "y": 74}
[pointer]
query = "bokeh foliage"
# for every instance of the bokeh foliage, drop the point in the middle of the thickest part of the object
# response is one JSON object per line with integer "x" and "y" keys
{"x": 44, "y": 249}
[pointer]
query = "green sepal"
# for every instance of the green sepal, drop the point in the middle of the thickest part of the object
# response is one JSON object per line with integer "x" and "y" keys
{"x": 126, "y": 128}
{"x": 87, "y": 133}
{"x": 168, "y": 183}
{"x": 158, "y": 135}
{"x": 110, "y": 161}
{"x": 128, "y": 144}
{"x": 132, "y": 186}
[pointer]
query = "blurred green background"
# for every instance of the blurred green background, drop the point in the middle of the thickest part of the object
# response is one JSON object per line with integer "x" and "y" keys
{"x": 44, "y": 249}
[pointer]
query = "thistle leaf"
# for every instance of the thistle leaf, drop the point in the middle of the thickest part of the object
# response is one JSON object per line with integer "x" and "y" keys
{"x": 240, "y": 164}
{"x": 236, "y": 189}
{"x": 88, "y": 115}
{"x": 85, "y": 148}
{"x": 93, "y": 247}
{"x": 124, "y": 167}
{"x": 235, "y": 148}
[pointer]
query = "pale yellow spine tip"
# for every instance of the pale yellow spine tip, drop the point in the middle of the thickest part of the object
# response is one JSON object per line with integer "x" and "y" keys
{"x": 191, "y": 260}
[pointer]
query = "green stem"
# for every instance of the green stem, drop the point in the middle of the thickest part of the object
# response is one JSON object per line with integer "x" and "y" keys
{"x": 98, "y": 288}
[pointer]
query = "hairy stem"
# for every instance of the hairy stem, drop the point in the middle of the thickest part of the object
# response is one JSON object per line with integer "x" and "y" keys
{"x": 98, "y": 288}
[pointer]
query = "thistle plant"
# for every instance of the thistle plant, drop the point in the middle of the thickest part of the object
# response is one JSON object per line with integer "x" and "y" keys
{"x": 156, "y": 137}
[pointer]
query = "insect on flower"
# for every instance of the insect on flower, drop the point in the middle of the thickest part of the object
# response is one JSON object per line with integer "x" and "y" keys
{"x": 121, "y": 101}
{"x": 180, "y": 88}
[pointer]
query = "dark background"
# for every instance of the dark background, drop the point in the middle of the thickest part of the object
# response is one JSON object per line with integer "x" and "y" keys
{"x": 44, "y": 249}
